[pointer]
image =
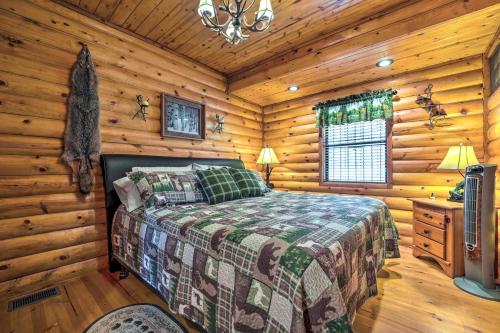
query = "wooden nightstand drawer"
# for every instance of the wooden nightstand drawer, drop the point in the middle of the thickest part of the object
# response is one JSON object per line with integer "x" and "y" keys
{"x": 436, "y": 217}
{"x": 438, "y": 233}
{"x": 430, "y": 246}
{"x": 428, "y": 231}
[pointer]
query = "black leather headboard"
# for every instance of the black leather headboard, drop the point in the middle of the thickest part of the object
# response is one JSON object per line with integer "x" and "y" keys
{"x": 115, "y": 167}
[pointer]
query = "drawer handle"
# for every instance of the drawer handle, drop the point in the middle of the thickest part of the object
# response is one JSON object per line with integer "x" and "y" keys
{"x": 429, "y": 216}
{"x": 426, "y": 245}
{"x": 426, "y": 232}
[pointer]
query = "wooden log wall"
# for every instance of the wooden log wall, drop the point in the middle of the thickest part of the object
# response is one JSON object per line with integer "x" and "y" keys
{"x": 493, "y": 139}
{"x": 493, "y": 135}
{"x": 289, "y": 128}
{"x": 48, "y": 231}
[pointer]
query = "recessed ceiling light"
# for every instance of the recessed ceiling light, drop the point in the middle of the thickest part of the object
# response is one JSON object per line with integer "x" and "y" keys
{"x": 293, "y": 88}
{"x": 385, "y": 62}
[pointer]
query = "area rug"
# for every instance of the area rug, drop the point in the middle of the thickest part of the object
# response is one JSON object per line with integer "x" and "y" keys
{"x": 143, "y": 318}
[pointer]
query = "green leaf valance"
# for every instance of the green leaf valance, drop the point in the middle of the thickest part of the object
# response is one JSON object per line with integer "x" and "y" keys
{"x": 363, "y": 107}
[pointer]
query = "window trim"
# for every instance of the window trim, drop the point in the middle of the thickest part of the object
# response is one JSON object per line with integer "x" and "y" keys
{"x": 387, "y": 185}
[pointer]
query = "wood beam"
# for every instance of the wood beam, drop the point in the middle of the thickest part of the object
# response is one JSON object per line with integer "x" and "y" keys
{"x": 406, "y": 20}
{"x": 493, "y": 44}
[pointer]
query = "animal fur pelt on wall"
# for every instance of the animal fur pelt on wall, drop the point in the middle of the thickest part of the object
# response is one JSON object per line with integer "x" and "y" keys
{"x": 82, "y": 138}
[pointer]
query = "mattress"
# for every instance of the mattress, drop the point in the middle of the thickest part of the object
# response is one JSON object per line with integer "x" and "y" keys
{"x": 284, "y": 262}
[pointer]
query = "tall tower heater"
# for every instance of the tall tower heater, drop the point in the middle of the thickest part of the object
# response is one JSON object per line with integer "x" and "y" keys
{"x": 480, "y": 233}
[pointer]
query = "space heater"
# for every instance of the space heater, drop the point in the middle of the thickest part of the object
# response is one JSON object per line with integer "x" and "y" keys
{"x": 479, "y": 233}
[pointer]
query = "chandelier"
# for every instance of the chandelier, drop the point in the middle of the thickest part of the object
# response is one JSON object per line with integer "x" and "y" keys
{"x": 236, "y": 23}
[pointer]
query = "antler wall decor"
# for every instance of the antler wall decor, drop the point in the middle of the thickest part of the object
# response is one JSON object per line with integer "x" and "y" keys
{"x": 433, "y": 109}
{"x": 219, "y": 124}
{"x": 143, "y": 106}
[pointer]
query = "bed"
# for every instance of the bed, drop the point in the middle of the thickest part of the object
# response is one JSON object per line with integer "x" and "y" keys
{"x": 284, "y": 262}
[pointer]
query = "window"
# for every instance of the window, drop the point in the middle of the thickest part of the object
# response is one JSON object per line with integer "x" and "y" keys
{"x": 357, "y": 153}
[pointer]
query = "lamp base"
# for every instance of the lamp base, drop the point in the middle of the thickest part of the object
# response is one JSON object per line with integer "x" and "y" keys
{"x": 457, "y": 194}
{"x": 268, "y": 176}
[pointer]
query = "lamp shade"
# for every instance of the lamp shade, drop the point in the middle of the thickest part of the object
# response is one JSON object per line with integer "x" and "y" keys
{"x": 265, "y": 11}
{"x": 458, "y": 158}
{"x": 206, "y": 7}
{"x": 230, "y": 31}
{"x": 267, "y": 156}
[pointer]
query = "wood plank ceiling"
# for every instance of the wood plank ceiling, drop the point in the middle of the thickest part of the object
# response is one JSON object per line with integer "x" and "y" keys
{"x": 318, "y": 44}
{"x": 176, "y": 24}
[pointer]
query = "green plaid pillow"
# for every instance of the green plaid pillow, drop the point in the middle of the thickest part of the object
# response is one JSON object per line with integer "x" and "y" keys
{"x": 218, "y": 185}
{"x": 246, "y": 181}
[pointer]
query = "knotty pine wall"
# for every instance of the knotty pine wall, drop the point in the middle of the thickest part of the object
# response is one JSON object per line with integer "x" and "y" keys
{"x": 290, "y": 129}
{"x": 494, "y": 135}
{"x": 48, "y": 231}
{"x": 493, "y": 138}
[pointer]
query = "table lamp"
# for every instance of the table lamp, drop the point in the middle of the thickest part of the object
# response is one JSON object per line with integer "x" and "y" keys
{"x": 267, "y": 157}
{"x": 458, "y": 158}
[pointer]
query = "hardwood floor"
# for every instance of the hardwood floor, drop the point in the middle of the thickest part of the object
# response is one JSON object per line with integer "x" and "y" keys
{"x": 414, "y": 296}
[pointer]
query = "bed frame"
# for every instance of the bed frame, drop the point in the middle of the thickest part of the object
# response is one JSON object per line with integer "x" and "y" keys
{"x": 115, "y": 166}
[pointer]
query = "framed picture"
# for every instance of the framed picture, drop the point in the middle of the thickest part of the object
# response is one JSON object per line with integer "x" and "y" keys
{"x": 181, "y": 118}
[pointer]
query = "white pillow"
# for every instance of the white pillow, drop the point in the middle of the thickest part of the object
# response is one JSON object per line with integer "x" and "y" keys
{"x": 197, "y": 166}
{"x": 128, "y": 193}
{"x": 163, "y": 169}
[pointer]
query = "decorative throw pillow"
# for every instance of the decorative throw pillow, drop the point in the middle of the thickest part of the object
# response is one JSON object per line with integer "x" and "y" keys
{"x": 197, "y": 166}
{"x": 262, "y": 183}
{"x": 218, "y": 185}
{"x": 160, "y": 189}
{"x": 128, "y": 193}
{"x": 248, "y": 185}
{"x": 163, "y": 169}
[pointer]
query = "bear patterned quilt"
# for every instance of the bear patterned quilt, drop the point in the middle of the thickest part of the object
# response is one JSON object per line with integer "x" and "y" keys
{"x": 284, "y": 262}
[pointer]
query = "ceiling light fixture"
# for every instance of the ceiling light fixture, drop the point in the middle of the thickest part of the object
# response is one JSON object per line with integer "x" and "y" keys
{"x": 293, "y": 88}
{"x": 385, "y": 62}
{"x": 236, "y": 21}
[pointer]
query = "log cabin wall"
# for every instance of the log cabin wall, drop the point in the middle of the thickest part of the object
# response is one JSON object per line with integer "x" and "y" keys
{"x": 289, "y": 128}
{"x": 493, "y": 139}
{"x": 494, "y": 136}
{"x": 48, "y": 231}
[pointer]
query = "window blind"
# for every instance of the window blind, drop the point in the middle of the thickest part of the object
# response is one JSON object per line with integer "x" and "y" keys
{"x": 356, "y": 152}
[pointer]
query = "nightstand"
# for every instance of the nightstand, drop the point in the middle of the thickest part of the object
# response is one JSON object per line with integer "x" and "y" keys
{"x": 438, "y": 233}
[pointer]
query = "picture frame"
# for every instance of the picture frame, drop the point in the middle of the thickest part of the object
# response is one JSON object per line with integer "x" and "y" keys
{"x": 182, "y": 119}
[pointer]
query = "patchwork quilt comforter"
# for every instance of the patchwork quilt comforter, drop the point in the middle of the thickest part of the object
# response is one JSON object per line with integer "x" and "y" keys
{"x": 284, "y": 262}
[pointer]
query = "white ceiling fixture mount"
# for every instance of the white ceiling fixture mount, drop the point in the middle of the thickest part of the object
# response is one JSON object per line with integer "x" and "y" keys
{"x": 236, "y": 22}
{"x": 293, "y": 88}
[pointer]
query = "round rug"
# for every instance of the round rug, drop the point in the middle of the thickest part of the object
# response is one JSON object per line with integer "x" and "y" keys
{"x": 143, "y": 318}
